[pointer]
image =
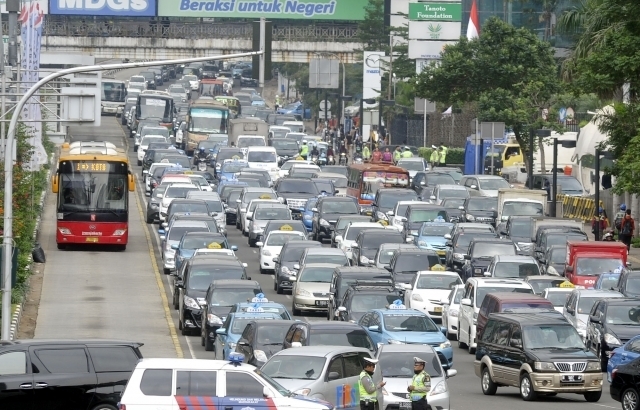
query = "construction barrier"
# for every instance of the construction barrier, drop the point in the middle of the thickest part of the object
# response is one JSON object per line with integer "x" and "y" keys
{"x": 578, "y": 207}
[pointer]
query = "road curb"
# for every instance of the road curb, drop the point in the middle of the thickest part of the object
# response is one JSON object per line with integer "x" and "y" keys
{"x": 17, "y": 315}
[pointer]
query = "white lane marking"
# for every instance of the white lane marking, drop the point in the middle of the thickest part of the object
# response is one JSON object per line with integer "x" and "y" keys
{"x": 602, "y": 405}
{"x": 193, "y": 354}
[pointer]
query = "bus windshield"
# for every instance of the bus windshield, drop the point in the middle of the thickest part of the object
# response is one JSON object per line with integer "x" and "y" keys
{"x": 154, "y": 107}
{"x": 208, "y": 120}
{"x": 92, "y": 187}
{"x": 374, "y": 180}
{"x": 113, "y": 91}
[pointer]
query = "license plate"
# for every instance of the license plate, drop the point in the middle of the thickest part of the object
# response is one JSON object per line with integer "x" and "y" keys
{"x": 92, "y": 239}
{"x": 405, "y": 405}
{"x": 441, "y": 253}
{"x": 437, "y": 309}
{"x": 321, "y": 302}
{"x": 572, "y": 378}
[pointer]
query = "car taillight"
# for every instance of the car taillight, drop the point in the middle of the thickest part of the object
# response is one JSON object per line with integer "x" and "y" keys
{"x": 122, "y": 406}
{"x": 613, "y": 374}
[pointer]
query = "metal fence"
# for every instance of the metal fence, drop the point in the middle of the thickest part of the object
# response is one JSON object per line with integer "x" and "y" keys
{"x": 451, "y": 130}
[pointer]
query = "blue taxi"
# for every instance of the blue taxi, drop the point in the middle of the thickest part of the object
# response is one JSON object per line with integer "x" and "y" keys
{"x": 266, "y": 305}
{"x": 228, "y": 335}
{"x": 431, "y": 236}
{"x": 307, "y": 213}
{"x": 230, "y": 168}
{"x": 398, "y": 325}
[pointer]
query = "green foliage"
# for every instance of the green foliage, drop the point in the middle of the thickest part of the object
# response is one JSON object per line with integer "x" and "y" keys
{"x": 507, "y": 71}
{"x": 372, "y": 33}
{"x": 454, "y": 155}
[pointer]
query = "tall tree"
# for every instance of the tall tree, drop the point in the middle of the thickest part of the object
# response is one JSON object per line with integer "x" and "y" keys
{"x": 507, "y": 71}
{"x": 372, "y": 32}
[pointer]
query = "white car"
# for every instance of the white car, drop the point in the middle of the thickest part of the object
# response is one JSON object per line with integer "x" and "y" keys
{"x": 286, "y": 167}
{"x": 557, "y": 296}
{"x": 264, "y": 158}
{"x": 579, "y": 304}
{"x": 193, "y": 82}
{"x": 177, "y": 190}
{"x": 413, "y": 165}
{"x": 249, "y": 212}
{"x": 394, "y": 217}
{"x": 201, "y": 182}
{"x": 272, "y": 245}
{"x": 144, "y": 144}
{"x": 442, "y": 192}
{"x": 146, "y": 175}
{"x": 450, "y": 311}
{"x": 137, "y": 81}
{"x": 217, "y": 382}
{"x": 428, "y": 289}
{"x": 346, "y": 242}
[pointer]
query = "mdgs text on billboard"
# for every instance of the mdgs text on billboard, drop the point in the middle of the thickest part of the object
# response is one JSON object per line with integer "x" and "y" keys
{"x": 270, "y": 9}
{"x": 130, "y": 8}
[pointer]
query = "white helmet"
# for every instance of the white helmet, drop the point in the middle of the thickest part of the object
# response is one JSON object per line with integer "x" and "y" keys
{"x": 304, "y": 141}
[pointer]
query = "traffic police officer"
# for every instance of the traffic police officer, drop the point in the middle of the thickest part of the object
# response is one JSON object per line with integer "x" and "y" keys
{"x": 368, "y": 389}
{"x": 420, "y": 386}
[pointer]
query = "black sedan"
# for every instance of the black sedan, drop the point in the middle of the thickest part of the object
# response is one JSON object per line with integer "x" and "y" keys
{"x": 625, "y": 385}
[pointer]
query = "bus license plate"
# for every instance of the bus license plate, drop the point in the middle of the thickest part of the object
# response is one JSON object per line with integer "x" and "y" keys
{"x": 92, "y": 239}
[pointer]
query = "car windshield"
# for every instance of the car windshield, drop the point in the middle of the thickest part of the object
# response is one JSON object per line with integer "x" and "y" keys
{"x": 239, "y": 324}
{"x": 515, "y": 270}
{"x": 245, "y": 142}
{"x": 339, "y": 207}
{"x": 385, "y": 255}
{"x": 329, "y": 337}
{"x": 207, "y": 144}
{"x": 435, "y": 179}
{"x": 540, "y": 284}
{"x": 414, "y": 263}
{"x": 232, "y": 167}
{"x": 427, "y": 215}
{"x": 607, "y": 281}
{"x": 409, "y": 323}
{"x": 585, "y": 303}
{"x": 334, "y": 258}
{"x": 482, "y": 291}
{"x": 521, "y": 228}
{"x": 558, "y": 255}
{"x": 363, "y": 302}
{"x": 261, "y": 156}
{"x": 569, "y": 184}
{"x": 316, "y": 275}
{"x": 551, "y": 336}
{"x": 374, "y": 241}
{"x": 293, "y": 254}
{"x": 267, "y": 213}
{"x": 297, "y": 187}
{"x": 198, "y": 208}
{"x": 159, "y": 131}
{"x": 322, "y": 186}
{"x": 176, "y": 232}
{"x": 623, "y": 315}
{"x": 522, "y": 208}
{"x": 562, "y": 238}
{"x": 632, "y": 286}
{"x": 294, "y": 367}
{"x": 558, "y": 299}
{"x": 437, "y": 281}
{"x": 148, "y": 140}
{"x": 229, "y": 154}
{"x": 411, "y": 165}
{"x": 596, "y": 266}
{"x": 388, "y": 201}
{"x": 400, "y": 364}
{"x": 352, "y": 232}
{"x": 201, "y": 242}
{"x": 278, "y": 133}
{"x": 493, "y": 184}
{"x": 230, "y": 296}
{"x": 178, "y": 192}
{"x": 453, "y": 193}
{"x": 136, "y": 79}
{"x": 463, "y": 241}
{"x": 435, "y": 230}
{"x": 491, "y": 249}
{"x": 453, "y": 202}
{"x": 233, "y": 196}
{"x": 272, "y": 334}
{"x": 279, "y": 239}
{"x": 482, "y": 204}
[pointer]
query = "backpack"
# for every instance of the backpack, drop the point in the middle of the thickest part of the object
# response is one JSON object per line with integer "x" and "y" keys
{"x": 626, "y": 228}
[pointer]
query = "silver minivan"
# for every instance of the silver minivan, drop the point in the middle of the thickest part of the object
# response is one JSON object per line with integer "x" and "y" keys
{"x": 579, "y": 304}
{"x": 330, "y": 373}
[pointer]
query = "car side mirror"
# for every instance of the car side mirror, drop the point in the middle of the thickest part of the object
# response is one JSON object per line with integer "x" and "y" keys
{"x": 275, "y": 260}
{"x": 487, "y": 274}
{"x": 467, "y": 257}
{"x": 338, "y": 238}
{"x": 595, "y": 319}
{"x": 244, "y": 265}
{"x": 432, "y": 197}
{"x": 387, "y": 267}
{"x": 145, "y": 171}
{"x": 409, "y": 239}
{"x": 390, "y": 213}
{"x": 355, "y": 245}
{"x": 234, "y": 248}
{"x": 174, "y": 247}
{"x": 374, "y": 328}
{"x": 466, "y": 302}
{"x": 243, "y": 342}
{"x": 296, "y": 266}
{"x": 162, "y": 237}
{"x": 158, "y": 195}
{"x": 444, "y": 301}
{"x": 333, "y": 376}
{"x": 569, "y": 310}
{"x": 443, "y": 330}
{"x": 238, "y": 201}
{"x": 448, "y": 243}
{"x": 342, "y": 309}
{"x": 164, "y": 224}
{"x": 314, "y": 209}
{"x": 503, "y": 233}
{"x": 249, "y": 218}
{"x": 221, "y": 331}
{"x": 568, "y": 269}
{"x": 296, "y": 344}
{"x": 628, "y": 264}
{"x": 451, "y": 373}
{"x": 461, "y": 208}
{"x": 423, "y": 183}
{"x": 259, "y": 244}
{"x": 473, "y": 187}
{"x": 266, "y": 393}
{"x": 447, "y": 236}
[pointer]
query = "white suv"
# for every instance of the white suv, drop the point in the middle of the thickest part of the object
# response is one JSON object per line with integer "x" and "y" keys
{"x": 168, "y": 384}
{"x": 474, "y": 292}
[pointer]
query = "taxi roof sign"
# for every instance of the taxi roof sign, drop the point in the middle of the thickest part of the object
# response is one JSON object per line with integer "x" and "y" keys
{"x": 286, "y": 228}
{"x": 255, "y": 309}
{"x": 214, "y": 245}
{"x": 397, "y": 305}
{"x": 566, "y": 284}
{"x": 259, "y": 298}
{"x": 438, "y": 267}
{"x": 265, "y": 196}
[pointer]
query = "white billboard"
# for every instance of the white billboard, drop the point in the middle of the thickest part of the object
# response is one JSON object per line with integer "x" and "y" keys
{"x": 427, "y": 49}
{"x": 435, "y": 30}
{"x": 371, "y": 75}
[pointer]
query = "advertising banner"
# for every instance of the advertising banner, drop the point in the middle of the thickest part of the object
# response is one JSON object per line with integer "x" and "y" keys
{"x": 270, "y": 9}
{"x": 124, "y": 8}
{"x": 371, "y": 82}
{"x": 427, "y": 49}
{"x": 435, "y": 11}
{"x": 435, "y": 30}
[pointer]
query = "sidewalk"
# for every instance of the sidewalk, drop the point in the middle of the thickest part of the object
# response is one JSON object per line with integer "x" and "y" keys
{"x": 634, "y": 253}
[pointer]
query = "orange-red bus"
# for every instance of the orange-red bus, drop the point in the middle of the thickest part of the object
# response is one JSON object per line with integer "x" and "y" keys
{"x": 364, "y": 180}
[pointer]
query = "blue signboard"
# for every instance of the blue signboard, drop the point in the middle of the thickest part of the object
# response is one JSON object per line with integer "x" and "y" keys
{"x": 124, "y": 8}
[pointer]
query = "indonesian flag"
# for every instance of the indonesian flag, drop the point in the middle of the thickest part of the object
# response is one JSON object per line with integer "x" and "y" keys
{"x": 473, "y": 29}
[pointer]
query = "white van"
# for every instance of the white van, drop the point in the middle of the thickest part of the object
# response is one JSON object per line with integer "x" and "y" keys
{"x": 245, "y": 141}
{"x": 265, "y": 158}
{"x": 295, "y": 126}
{"x": 169, "y": 384}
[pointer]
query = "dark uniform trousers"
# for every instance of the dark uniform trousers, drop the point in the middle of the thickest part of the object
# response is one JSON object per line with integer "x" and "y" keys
{"x": 420, "y": 404}
{"x": 369, "y": 405}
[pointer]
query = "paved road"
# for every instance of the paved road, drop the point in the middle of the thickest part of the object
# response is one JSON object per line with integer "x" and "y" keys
{"x": 133, "y": 306}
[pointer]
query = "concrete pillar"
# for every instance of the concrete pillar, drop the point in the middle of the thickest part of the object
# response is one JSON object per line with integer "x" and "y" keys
{"x": 634, "y": 211}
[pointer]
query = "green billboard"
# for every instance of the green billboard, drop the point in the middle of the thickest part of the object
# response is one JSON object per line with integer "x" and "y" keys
{"x": 270, "y": 9}
{"x": 435, "y": 11}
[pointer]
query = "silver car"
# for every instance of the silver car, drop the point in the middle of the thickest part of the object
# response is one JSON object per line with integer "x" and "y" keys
{"x": 396, "y": 363}
{"x": 311, "y": 288}
{"x": 260, "y": 217}
{"x": 328, "y": 373}
{"x": 386, "y": 251}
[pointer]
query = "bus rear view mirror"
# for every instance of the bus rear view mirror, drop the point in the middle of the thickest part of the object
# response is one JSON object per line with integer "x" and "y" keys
{"x": 54, "y": 184}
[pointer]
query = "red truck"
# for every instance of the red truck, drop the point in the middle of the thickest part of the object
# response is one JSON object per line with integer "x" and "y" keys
{"x": 587, "y": 260}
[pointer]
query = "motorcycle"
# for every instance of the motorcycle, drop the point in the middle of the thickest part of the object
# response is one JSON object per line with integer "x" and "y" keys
{"x": 202, "y": 166}
{"x": 322, "y": 160}
{"x": 314, "y": 159}
{"x": 331, "y": 160}
{"x": 343, "y": 159}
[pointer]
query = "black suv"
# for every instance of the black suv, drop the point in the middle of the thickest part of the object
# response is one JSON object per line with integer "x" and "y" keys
{"x": 221, "y": 296}
{"x": 519, "y": 230}
{"x": 65, "y": 374}
{"x": 480, "y": 254}
{"x": 458, "y": 247}
{"x": 612, "y": 322}
{"x": 261, "y": 339}
{"x": 417, "y": 214}
{"x": 345, "y": 276}
{"x": 326, "y": 214}
{"x": 540, "y": 354}
{"x": 386, "y": 200}
{"x": 328, "y": 333}
{"x": 480, "y": 209}
{"x": 430, "y": 179}
{"x": 365, "y": 295}
{"x": 629, "y": 283}
{"x": 289, "y": 256}
{"x": 406, "y": 263}
{"x": 368, "y": 241}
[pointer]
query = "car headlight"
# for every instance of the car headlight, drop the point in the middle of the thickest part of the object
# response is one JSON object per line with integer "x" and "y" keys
{"x": 470, "y": 217}
{"x": 453, "y": 312}
{"x": 191, "y": 302}
{"x": 213, "y": 319}
{"x": 458, "y": 256}
{"x": 439, "y": 389}
{"x": 444, "y": 345}
{"x": 260, "y": 355}
{"x": 303, "y": 292}
{"x": 422, "y": 243}
{"x": 414, "y": 232}
{"x": 303, "y": 392}
{"x": 477, "y": 271}
{"x": 417, "y": 297}
{"x": 593, "y": 366}
{"x": 611, "y": 339}
{"x": 324, "y": 222}
{"x": 544, "y": 366}
{"x": 266, "y": 252}
{"x": 285, "y": 270}
{"x": 382, "y": 216}
{"x": 307, "y": 217}
{"x": 395, "y": 342}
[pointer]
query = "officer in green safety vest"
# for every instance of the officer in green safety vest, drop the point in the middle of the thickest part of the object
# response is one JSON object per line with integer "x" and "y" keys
{"x": 407, "y": 153}
{"x": 420, "y": 386}
{"x": 367, "y": 388}
{"x": 304, "y": 149}
{"x": 443, "y": 155}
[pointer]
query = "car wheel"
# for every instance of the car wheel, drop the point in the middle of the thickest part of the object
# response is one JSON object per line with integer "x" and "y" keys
{"x": 166, "y": 271}
{"x": 489, "y": 388}
{"x": 296, "y": 312}
{"x": 104, "y": 407}
{"x": 139, "y": 163}
{"x": 275, "y": 285}
{"x": 594, "y": 396}
{"x": 526, "y": 388}
{"x": 176, "y": 303}
{"x": 629, "y": 399}
{"x": 262, "y": 271}
{"x": 460, "y": 344}
{"x": 470, "y": 349}
{"x": 252, "y": 244}
{"x": 124, "y": 120}
{"x": 149, "y": 219}
{"x": 184, "y": 331}
{"x": 279, "y": 290}
{"x": 208, "y": 343}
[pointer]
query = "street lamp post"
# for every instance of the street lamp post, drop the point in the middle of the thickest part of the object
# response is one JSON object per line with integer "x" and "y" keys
{"x": 382, "y": 103}
{"x": 343, "y": 79}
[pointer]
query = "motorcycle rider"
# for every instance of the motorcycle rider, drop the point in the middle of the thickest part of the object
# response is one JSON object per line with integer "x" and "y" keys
{"x": 315, "y": 152}
{"x": 304, "y": 149}
{"x": 343, "y": 150}
{"x": 330, "y": 156}
{"x": 201, "y": 156}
